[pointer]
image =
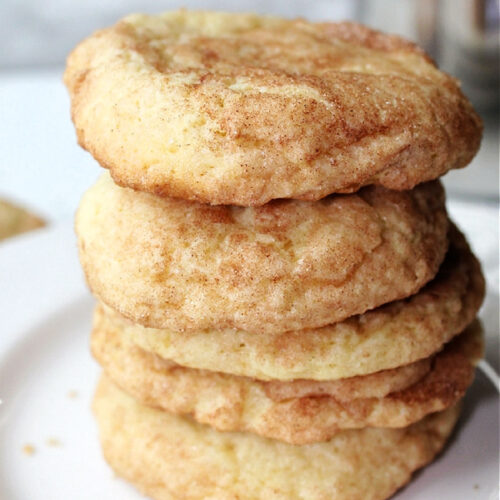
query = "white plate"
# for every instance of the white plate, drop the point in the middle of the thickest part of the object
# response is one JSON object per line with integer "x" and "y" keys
{"x": 45, "y": 362}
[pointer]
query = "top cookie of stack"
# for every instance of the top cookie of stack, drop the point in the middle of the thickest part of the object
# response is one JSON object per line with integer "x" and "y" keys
{"x": 241, "y": 109}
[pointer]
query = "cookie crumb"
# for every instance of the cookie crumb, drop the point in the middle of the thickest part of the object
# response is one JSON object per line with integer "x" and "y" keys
{"x": 72, "y": 394}
{"x": 29, "y": 449}
{"x": 476, "y": 486}
{"x": 53, "y": 442}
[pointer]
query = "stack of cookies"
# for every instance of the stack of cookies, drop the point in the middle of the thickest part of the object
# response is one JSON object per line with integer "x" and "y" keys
{"x": 285, "y": 310}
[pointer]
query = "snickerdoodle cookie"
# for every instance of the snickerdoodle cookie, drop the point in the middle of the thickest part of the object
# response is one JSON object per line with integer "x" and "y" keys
{"x": 16, "y": 220}
{"x": 169, "y": 457}
{"x": 241, "y": 109}
{"x": 396, "y": 334}
{"x": 287, "y": 265}
{"x": 300, "y": 411}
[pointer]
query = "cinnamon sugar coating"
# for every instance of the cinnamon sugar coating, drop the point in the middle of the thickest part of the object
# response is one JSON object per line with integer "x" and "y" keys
{"x": 242, "y": 109}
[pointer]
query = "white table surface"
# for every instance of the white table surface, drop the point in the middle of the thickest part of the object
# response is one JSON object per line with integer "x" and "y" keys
{"x": 43, "y": 168}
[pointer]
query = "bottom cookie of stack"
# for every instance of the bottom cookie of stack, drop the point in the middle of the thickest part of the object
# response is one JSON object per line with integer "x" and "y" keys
{"x": 169, "y": 457}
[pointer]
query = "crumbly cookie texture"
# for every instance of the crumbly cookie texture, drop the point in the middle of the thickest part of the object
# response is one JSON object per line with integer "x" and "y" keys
{"x": 297, "y": 412}
{"x": 241, "y": 109}
{"x": 174, "y": 457}
{"x": 288, "y": 265}
{"x": 398, "y": 333}
{"x": 16, "y": 220}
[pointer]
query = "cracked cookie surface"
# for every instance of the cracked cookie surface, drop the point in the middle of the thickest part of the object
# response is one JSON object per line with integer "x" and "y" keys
{"x": 392, "y": 335}
{"x": 174, "y": 457}
{"x": 287, "y": 265}
{"x": 241, "y": 109}
{"x": 299, "y": 411}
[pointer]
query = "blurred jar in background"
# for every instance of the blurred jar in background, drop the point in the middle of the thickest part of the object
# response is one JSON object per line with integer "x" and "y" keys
{"x": 463, "y": 37}
{"x": 466, "y": 45}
